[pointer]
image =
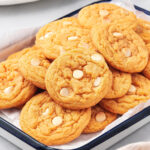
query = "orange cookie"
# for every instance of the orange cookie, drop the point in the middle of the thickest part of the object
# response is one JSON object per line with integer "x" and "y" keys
{"x": 122, "y": 48}
{"x": 78, "y": 79}
{"x": 17, "y": 55}
{"x": 33, "y": 66}
{"x": 105, "y": 13}
{"x": 14, "y": 89}
{"x": 144, "y": 30}
{"x": 51, "y": 124}
{"x": 121, "y": 83}
{"x": 139, "y": 92}
{"x": 146, "y": 71}
{"x": 99, "y": 120}
{"x": 63, "y": 35}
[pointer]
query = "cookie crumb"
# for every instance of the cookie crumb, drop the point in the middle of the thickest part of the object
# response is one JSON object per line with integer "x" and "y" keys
{"x": 35, "y": 62}
{"x": 64, "y": 92}
{"x": 97, "y": 81}
{"x": 57, "y": 121}
{"x": 8, "y": 90}
{"x": 71, "y": 38}
{"x": 100, "y": 117}
{"x": 77, "y": 74}
{"x": 103, "y": 13}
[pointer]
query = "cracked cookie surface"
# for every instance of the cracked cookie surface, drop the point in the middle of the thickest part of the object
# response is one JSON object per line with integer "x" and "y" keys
{"x": 56, "y": 37}
{"x": 138, "y": 93}
{"x": 78, "y": 79}
{"x": 100, "y": 118}
{"x": 50, "y": 123}
{"x": 33, "y": 66}
{"x": 122, "y": 48}
{"x": 14, "y": 89}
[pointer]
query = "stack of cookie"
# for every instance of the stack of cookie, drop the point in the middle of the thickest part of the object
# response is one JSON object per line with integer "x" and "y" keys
{"x": 91, "y": 68}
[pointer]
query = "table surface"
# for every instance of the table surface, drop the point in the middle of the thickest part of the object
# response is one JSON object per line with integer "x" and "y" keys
{"x": 42, "y": 12}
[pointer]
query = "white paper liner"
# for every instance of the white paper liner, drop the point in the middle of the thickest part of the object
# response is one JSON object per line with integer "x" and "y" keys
{"x": 12, "y": 115}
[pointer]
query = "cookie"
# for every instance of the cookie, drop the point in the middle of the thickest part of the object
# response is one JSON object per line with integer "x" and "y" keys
{"x": 122, "y": 48}
{"x": 51, "y": 124}
{"x": 144, "y": 30}
{"x": 78, "y": 79}
{"x": 33, "y": 66}
{"x": 57, "y": 38}
{"x": 105, "y": 13}
{"x": 121, "y": 83}
{"x": 16, "y": 56}
{"x": 100, "y": 118}
{"x": 14, "y": 89}
{"x": 139, "y": 92}
{"x": 146, "y": 71}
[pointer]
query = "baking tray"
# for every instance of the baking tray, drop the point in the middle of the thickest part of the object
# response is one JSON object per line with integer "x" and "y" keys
{"x": 26, "y": 142}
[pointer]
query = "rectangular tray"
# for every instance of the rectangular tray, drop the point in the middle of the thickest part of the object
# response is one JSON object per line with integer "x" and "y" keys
{"x": 26, "y": 142}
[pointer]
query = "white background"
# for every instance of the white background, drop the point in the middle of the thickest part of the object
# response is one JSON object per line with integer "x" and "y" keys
{"x": 20, "y": 16}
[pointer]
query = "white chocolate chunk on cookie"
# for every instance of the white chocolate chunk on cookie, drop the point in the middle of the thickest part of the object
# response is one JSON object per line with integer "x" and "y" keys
{"x": 100, "y": 117}
{"x": 57, "y": 121}
{"x": 77, "y": 74}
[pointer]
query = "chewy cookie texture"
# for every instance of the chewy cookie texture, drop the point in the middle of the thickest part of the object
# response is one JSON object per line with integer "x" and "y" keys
{"x": 91, "y": 68}
{"x": 33, "y": 66}
{"x": 139, "y": 92}
{"x": 50, "y": 123}
{"x": 63, "y": 35}
{"x": 82, "y": 79}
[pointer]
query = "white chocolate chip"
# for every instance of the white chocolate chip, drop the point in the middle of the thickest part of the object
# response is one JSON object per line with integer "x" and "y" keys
{"x": 46, "y": 112}
{"x": 57, "y": 121}
{"x": 62, "y": 51}
{"x": 71, "y": 38}
{"x": 97, "y": 81}
{"x": 8, "y": 90}
{"x": 97, "y": 57}
{"x": 126, "y": 52}
{"x": 100, "y": 117}
{"x": 41, "y": 38}
{"x": 103, "y": 13}
{"x": 132, "y": 89}
{"x": 117, "y": 34}
{"x": 48, "y": 34}
{"x": 77, "y": 74}
{"x": 35, "y": 62}
{"x": 67, "y": 23}
{"x": 64, "y": 92}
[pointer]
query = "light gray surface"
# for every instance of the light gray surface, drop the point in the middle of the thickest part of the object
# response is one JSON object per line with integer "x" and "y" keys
{"x": 42, "y": 11}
